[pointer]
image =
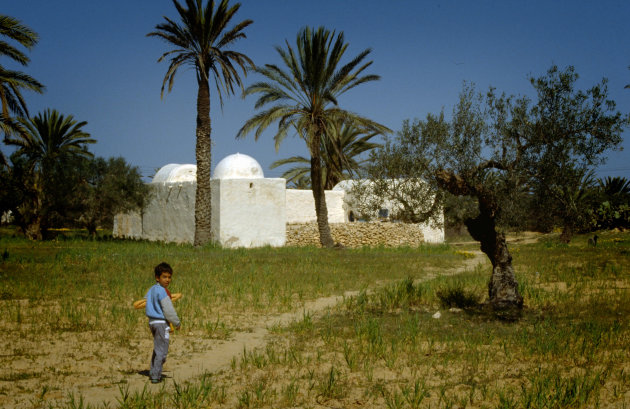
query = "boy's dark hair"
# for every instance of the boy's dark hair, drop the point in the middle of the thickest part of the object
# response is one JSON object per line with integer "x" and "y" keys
{"x": 163, "y": 268}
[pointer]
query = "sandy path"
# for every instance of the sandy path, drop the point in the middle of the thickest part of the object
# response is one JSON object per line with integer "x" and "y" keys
{"x": 221, "y": 354}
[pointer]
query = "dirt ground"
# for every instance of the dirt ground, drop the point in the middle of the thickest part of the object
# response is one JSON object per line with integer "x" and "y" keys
{"x": 39, "y": 368}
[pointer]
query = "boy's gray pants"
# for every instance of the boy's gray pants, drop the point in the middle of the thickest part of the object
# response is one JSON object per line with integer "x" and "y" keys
{"x": 160, "y": 331}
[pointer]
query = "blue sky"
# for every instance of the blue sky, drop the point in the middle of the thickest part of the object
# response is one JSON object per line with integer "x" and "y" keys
{"x": 97, "y": 64}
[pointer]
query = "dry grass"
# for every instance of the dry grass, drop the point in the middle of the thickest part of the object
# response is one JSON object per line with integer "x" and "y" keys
{"x": 69, "y": 322}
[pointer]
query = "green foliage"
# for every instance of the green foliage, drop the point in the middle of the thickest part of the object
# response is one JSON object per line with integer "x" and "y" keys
{"x": 568, "y": 130}
{"x": 569, "y": 204}
{"x": 614, "y": 204}
{"x": 608, "y": 216}
{"x": 13, "y": 82}
{"x": 456, "y": 210}
{"x": 340, "y": 156}
{"x": 201, "y": 40}
{"x": 109, "y": 187}
{"x": 50, "y": 143}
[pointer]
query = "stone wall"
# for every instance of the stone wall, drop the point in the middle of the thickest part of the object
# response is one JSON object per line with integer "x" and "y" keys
{"x": 358, "y": 234}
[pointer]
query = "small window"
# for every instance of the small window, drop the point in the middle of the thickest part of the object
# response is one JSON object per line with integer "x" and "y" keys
{"x": 251, "y": 185}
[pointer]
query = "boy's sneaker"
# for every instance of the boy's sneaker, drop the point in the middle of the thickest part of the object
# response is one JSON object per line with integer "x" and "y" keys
{"x": 156, "y": 380}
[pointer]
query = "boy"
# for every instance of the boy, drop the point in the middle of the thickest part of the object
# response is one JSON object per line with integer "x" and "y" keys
{"x": 160, "y": 311}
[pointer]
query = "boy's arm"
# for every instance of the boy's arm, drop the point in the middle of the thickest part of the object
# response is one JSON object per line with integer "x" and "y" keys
{"x": 169, "y": 311}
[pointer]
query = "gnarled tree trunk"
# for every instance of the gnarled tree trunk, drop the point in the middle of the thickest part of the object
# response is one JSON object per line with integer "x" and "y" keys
{"x": 503, "y": 288}
{"x": 33, "y": 230}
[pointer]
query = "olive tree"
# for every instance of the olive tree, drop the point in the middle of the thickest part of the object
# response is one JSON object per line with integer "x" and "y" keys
{"x": 494, "y": 148}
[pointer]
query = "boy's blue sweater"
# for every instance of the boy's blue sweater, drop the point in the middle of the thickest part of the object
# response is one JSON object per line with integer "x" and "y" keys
{"x": 159, "y": 305}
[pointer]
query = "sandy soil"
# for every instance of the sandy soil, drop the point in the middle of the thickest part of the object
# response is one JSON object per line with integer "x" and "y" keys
{"x": 39, "y": 368}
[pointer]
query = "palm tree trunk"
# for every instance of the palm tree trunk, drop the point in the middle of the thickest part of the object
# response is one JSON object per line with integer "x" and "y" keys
{"x": 203, "y": 153}
{"x": 319, "y": 194}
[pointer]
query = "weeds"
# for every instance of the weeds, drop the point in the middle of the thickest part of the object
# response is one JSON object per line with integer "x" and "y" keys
{"x": 332, "y": 386}
{"x": 457, "y": 297}
{"x": 381, "y": 347}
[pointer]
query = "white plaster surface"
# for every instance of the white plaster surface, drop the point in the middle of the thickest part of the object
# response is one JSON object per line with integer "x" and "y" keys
{"x": 249, "y": 212}
{"x": 433, "y": 234}
{"x": 170, "y": 214}
{"x": 128, "y": 225}
{"x": 300, "y": 206}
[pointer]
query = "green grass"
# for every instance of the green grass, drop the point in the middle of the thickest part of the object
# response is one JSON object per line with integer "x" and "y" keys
{"x": 381, "y": 348}
{"x": 90, "y": 284}
{"x": 569, "y": 348}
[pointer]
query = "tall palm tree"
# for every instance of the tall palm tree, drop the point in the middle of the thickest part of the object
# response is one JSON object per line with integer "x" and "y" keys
{"x": 12, "y": 82}
{"x": 339, "y": 156}
{"x": 48, "y": 140}
{"x": 304, "y": 96}
{"x": 615, "y": 186}
{"x": 202, "y": 40}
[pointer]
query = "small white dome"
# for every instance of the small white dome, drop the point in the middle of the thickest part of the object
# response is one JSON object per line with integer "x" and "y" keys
{"x": 345, "y": 185}
{"x": 174, "y": 173}
{"x": 238, "y": 166}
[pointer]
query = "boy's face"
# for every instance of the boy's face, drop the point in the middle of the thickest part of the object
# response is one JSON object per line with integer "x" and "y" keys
{"x": 164, "y": 279}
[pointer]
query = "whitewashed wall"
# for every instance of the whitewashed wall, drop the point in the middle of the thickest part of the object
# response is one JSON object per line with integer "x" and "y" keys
{"x": 245, "y": 213}
{"x": 300, "y": 206}
{"x": 434, "y": 234}
{"x": 170, "y": 214}
{"x": 249, "y": 212}
{"x": 128, "y": 225}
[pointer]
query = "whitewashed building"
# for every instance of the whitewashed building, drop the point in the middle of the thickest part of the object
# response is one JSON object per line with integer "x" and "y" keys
{"x": 248, "y": 210}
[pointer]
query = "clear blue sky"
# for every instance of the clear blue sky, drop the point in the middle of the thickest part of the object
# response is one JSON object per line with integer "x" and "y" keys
{"x": 97, "y": 64}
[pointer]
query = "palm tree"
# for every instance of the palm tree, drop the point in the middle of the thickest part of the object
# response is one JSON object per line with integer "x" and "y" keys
{"x": 615, "y": 186}
{"x": 12, "y": 82}
{"x": 304, "y": 96}
{"x": 48, "y": 140}
{"x": 339, "y": 156}
{"x": 576, "y": 195}
{"x": 202, "y": 41}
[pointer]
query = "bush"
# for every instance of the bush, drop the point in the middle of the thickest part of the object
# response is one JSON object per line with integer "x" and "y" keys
{"x": 457, "y": 297}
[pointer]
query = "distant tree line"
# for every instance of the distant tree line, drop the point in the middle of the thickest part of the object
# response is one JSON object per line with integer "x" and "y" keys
{"x": 51, "y": 179}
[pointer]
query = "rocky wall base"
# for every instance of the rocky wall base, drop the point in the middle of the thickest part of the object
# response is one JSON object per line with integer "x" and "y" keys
{"x": 358, "y": 234}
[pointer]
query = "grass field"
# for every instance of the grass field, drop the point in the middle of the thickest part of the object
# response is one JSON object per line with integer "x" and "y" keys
{"x": 68, "y": 321}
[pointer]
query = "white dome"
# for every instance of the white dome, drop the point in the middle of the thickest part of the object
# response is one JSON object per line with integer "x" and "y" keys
{"x": 345, "y": 185}
{"x": 238, "y": 166}
{"x": 174, "y": 173}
